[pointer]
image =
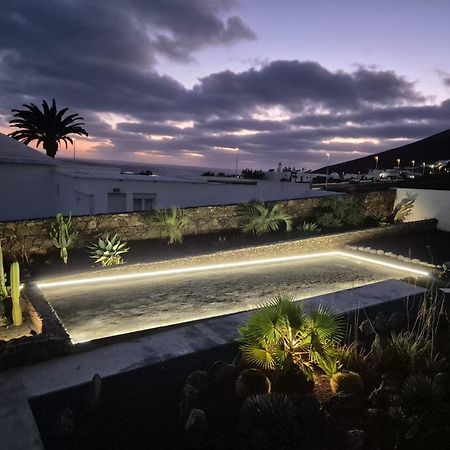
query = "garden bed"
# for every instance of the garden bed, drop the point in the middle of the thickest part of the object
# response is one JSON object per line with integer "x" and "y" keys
{"x": 45, "y": 339}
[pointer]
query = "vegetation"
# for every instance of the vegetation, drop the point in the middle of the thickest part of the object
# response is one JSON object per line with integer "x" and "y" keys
{"x": 3, "y": 290}
{"x": 48, "y": 126}
{"x": 14, "y": 279}
{"x": 252, "y": 382}
{"x": 108, "y": 250}
{"x": 346, "y": 382}
{"x": 340, "y": 211}
{"x": 259, "y": 218}
{"x": 309, "y": 227}
{"x": 269, "y": 422}
{"x": 63, "y": 236}
{"x": 402, "y": 209}
{"x": 250, "y": 174}
{"x": 280, "y": 335}
{"x": 169, "y": 223}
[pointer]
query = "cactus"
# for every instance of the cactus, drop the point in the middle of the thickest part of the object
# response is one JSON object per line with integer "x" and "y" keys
{"x": 63, "y": 236}
{"x": 348, "y": 382}
{"x": 3, "y": 290}
{"x": 15, "y": 293}
{"x": 252, "y": 382}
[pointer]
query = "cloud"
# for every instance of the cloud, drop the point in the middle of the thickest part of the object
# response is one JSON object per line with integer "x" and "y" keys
{"x": 101, "y": 58}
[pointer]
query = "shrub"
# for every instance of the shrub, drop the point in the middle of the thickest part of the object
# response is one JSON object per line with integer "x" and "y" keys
{"x": 259, "y": 218}
{"x": 170, "y": 224}
{"x": 403, "y": 209}
{"x": 108, "y": 251}
{"x": 268, "y": 421}
{"x": 347, "y": 382}
{"x": 280, "y": 335}
{"x": 252, "y": 382}
{"x": 340, "y": 211}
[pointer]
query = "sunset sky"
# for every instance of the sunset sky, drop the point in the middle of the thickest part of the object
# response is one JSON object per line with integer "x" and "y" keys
{"x": 187, "y": 81}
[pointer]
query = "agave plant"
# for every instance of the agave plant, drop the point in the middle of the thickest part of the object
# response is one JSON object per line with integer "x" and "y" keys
{"x": 108, "y": 250}
{"x": 309, "y": 227}
{"x": 170, "y": 224}
{"x": 403, "y": 209}
{"x": 280, "y": 335}
{"x": 259, "y": 218}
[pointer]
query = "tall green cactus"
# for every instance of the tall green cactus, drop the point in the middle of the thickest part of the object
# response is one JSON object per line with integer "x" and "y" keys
{"x": 63, "y": 236}
{"x": 3, "y": 290}
{"x": 14, "y": 278}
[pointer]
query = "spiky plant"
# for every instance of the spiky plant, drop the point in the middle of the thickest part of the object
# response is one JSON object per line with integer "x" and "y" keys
{"x": 268, "y": 421}
{"x": 108, "y": 250}
{"x": 48, "y": 126}
{"x": 252, "y": 382}
{"x": 3, "y": 289}
{"x": 259, "y": 218}
{"x": 309, "y": 227}
{"x": 169, "y": 223}
{"x": 402, "y": 210}
{"x": 280, "y": 335}
{"x": 348, "y": 382}
{"x": 340, "y": 211}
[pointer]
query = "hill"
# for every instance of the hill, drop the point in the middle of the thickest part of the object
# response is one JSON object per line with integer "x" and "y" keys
{"x": 428, "y": 150}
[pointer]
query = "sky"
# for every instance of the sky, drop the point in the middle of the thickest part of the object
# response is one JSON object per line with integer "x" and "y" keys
{"x": 188, "y": 82}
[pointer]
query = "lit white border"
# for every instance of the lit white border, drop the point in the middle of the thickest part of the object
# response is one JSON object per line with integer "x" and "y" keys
{"x": 255, "y": 262}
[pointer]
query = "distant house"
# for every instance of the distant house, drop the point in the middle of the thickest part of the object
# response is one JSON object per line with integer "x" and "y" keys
{"x": 32, "y": 185}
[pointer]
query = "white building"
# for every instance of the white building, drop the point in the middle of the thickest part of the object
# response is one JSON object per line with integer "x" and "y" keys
{"x": 32, "y": 185}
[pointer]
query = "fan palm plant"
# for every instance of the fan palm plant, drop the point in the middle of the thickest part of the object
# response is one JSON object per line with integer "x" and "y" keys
{"x": 281, "y": 335}
{"x": 259, "y": 218}
{"x": 47, "y": 126}
{"x": 169, "y": 223}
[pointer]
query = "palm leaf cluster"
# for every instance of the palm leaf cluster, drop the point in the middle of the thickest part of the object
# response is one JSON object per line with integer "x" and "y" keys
{"x": 259, "y": 218}
{"x": 48, "y": 126}
{"x": 170, "y": 224}
{"x": 108, "y": 251}
{"x": 281, "y": 335}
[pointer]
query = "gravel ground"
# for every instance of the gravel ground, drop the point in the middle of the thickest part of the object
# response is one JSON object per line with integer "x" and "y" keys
{"x": 91, "y": 311}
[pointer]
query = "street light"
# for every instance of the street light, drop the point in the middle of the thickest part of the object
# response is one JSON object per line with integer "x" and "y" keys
{"x": 413, "y": 164}
{"x": 237, "y": 161}
{"x": 328, "y": 168}
{"x": 423, "y": 168}
{"x": 74, "y": 151}
{"x": 398, "y": 163}
{"x": 376, "y": 162}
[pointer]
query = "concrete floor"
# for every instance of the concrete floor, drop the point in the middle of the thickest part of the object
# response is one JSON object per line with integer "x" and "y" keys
{"x": 106, "y": 309}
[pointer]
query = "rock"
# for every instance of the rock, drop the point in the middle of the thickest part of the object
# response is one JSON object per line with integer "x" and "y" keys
{"x": 195, "y": 429}
{"x": 400, "y": 257}
{"x": 356, "y": 439}
{"x": 367, "y": 249}
{"x": 380, "y": 252}
{"x": 381, "y": 324}
{"x": 388, "y": 253}
{"x": 397, "y": 320}
{"x": 415, "y": 261}
{"x": 198, "y": 379}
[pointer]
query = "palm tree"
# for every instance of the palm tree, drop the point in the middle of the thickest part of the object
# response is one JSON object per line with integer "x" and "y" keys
{"x": 280, "y": 335}
{"x": 48, "y": 126}
{"x": 257, "y": 217}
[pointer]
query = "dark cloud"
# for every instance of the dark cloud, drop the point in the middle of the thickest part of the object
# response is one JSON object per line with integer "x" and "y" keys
{"x": 99, "y": 56}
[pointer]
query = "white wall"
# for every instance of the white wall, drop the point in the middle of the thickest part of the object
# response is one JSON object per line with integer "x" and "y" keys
{"x": 27, "y": 191}
{"x": 429, "y": 204}
{"x": 171, "y": 193}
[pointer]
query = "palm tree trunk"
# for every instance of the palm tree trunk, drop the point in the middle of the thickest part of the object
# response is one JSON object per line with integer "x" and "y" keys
{"x": 51, "y": 147}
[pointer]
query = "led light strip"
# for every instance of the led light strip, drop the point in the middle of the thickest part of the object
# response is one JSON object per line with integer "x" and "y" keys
{"x": 231, "y": 265}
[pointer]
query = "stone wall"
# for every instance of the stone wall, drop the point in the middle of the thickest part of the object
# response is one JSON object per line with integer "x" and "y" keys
{"x": 33, "y": 236}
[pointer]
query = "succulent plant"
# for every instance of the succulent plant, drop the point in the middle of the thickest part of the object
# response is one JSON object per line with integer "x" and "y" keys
{"x": 252, "y": 382}
{"x": 14, "y": 279}
{"x": 309, "y": 227}
{"x": 269, "y": 421}
{"x": 169, "y": 223}
{"x": 108, "y": 250}
{"x": 3, "y": 289}
{"x": 347, "y": 382}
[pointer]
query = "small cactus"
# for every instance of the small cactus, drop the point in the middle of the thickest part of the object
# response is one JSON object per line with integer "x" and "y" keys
{"x": 3, "y": 290}
{"x": 347, "y": 382}
{"x": 252, "y": 382}
{"x": 15, "y": 293}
